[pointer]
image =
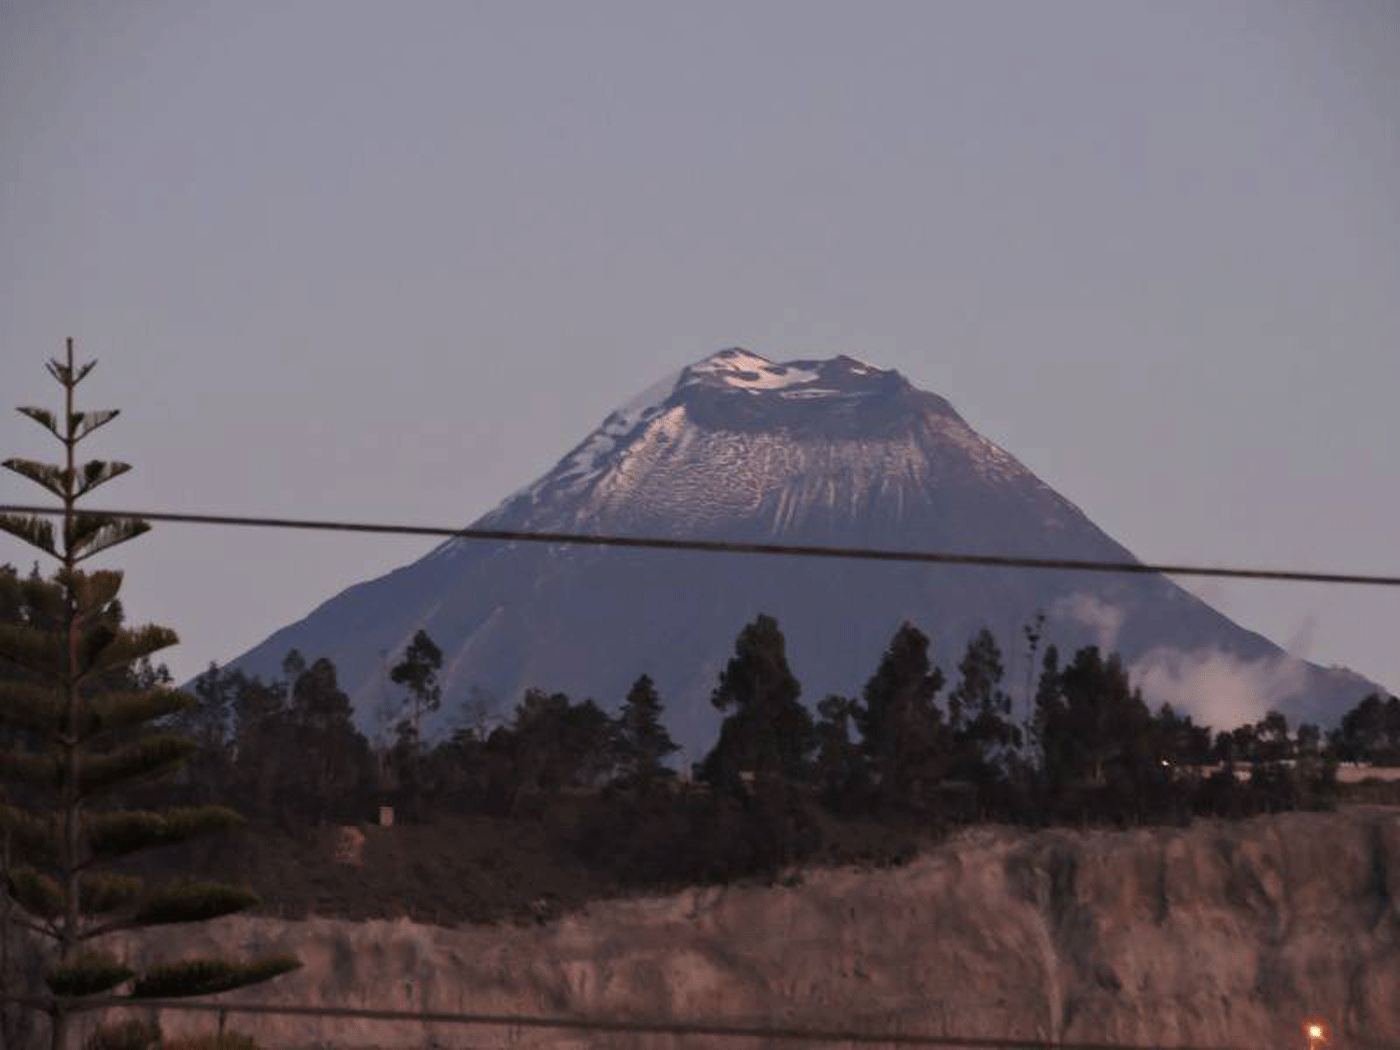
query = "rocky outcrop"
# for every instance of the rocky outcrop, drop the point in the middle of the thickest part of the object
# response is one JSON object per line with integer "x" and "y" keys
{"x": 1219, "y": 934}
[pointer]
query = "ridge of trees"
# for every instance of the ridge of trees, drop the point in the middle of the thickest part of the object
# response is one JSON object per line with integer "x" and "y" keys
{"x": 289, "y": 750}
{"x": 913, "y": 747}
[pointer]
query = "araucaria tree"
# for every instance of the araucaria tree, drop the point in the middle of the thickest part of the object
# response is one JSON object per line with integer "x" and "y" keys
{"x": 88, "y": 726}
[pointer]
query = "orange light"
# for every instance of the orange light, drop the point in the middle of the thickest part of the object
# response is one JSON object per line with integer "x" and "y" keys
{"x": 1316, "y": 1032}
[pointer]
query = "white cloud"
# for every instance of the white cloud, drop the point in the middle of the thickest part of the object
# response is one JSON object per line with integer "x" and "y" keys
{"x": 1103, "y": 619}
{"x": 1216, "y": 687}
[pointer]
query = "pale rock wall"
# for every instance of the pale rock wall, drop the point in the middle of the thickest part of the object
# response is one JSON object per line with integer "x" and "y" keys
{"x": 1219, "y": 934}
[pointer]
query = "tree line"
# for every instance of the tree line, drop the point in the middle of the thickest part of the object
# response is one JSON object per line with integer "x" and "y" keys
{"x": 914, "y": 746}
{"x": 913, "y": 742}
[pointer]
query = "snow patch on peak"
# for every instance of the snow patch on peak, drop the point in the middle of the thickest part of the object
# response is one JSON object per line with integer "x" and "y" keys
{"x": 746, "y": 371}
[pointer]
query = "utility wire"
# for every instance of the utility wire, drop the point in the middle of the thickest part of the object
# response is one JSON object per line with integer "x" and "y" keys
{"x": 636, "y": 1026}
{"x": 1007, "y": 561}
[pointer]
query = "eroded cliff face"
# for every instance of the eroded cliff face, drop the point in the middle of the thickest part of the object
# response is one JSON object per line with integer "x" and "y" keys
{"x": 1218, "y": 934}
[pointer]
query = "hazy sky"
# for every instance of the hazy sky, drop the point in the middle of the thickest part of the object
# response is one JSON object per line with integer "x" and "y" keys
{"x": 391, "y": 260}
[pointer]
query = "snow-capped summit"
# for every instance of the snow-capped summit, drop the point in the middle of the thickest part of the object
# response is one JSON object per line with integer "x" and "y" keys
{"x": 740, "y": 370}
{"x": 736, "y": 438}
{"x": 737, "y": 446}
{"x": 737, "y": 369}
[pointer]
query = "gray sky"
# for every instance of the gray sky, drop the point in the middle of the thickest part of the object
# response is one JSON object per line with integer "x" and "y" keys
{"x": 389, "y": 261}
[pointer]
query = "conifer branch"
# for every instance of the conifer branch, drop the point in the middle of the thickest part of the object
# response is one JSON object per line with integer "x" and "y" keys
{"x": 88, "y": 974}
{"x": 193, "y": 902}
{"x": 46, "y": 601}
{"x": 66, "y": 374}
{"x": 35, "y": 892}
{"x": 104, "y": 892}
{"x": 36, "y": 531}
{"x": 208, "y": 976}
{"x": 81, "y": 424}
{"x": 43, "y": 417}
{"x": 54, "y": 479}
{"x": 98, "y": 472}
{"x": 42, "y": 929}
{"x": 41, "y": 770}
{"x": 137, "y": 761}
{"x": 32, "y": 649}
{"x": 111, "y": 649}
{"x": 36, "y": 837}
{"x": 95, "y": 533}
{"x": 117, "y": 833}
{"x": 112, "y": 712}
{"x": 24, "y": 705}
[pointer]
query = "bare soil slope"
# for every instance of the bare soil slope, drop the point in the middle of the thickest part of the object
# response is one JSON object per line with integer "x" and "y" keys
{"x": 1218, "y": 934}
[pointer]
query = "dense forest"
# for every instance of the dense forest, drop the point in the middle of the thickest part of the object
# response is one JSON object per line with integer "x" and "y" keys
{"x": 916, "y": 747}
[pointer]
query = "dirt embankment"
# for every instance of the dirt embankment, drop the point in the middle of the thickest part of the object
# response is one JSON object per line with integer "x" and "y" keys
{"x": 1218, "y": 934}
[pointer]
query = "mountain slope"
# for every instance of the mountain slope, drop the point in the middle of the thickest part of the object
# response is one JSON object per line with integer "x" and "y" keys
{"x": 827, "y": 452}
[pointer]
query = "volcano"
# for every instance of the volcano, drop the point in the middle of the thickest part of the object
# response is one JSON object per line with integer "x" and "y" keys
{"x": 833, "y": 452}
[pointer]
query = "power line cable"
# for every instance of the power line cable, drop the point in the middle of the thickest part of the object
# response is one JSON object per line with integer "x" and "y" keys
{"x": 620, "y": 1025}
{"x": 1007, "y": 561}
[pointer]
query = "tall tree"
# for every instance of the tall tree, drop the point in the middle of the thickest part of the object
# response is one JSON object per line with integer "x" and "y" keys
{"x": 402, "y": 767}
{"x": 980, "y": 711}
{"x": 208, "y": 723}
{"x": 1034, "y": 632}
{"x": 841, "y": 772}
{"x": 556, "y": 744}
{"x": 1275, "y": 739}
{"x": 1370, "y": 732}
{"x": 766, "y": 732}
{"x": 262, "y": 754}
{"x": 905, "y": 739}
{"x": 1048, "y": 705}
{"x": 1179, "y": 740}
{"x": 642, "y": 742}
{"x": 417, "y": 672}
{"x": 334, "y": 772}
{"x": 1100, "y": 725}
{"x": 89, "y": 730}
